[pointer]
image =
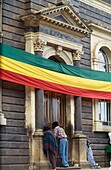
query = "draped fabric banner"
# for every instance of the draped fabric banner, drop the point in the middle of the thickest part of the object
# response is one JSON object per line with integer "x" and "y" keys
{"x": 31, "y": 70}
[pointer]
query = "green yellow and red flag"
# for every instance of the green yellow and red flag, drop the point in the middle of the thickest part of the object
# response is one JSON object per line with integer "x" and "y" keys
{"x": 28, "y": 69}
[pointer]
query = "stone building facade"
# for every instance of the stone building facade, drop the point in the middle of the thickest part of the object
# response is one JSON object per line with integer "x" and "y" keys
{"x": 73, "y": 32}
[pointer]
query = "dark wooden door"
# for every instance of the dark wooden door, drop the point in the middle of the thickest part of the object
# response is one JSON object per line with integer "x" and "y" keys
{"x": 54, "y": 107}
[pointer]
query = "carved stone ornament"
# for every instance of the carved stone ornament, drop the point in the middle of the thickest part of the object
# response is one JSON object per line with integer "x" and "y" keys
{"x": 77, "y": 55}
{"x": 39, "y": 45}
{"x": 65, "y": 2}
{"x": 58, "y": 50}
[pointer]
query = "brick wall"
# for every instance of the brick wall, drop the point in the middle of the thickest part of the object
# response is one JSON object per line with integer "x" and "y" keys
{"x": 14, "y": 141}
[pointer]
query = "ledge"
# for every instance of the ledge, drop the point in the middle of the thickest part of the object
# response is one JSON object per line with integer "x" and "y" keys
{"x": 99, "y": 127}
{"x": 2, "y": 119}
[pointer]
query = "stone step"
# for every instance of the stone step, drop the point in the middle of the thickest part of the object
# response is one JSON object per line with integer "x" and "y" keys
{"x": 68, "y": 168}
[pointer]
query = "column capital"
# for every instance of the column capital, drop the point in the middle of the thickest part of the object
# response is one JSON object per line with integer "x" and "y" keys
{"x": 39, "y": 44}
{"x": 77, "y": 55}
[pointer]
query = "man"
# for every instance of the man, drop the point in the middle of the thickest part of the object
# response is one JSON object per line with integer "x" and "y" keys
{"x": 50, "y": 146}
{"x": 63, "y": 144}
{"x": 90, "y": 157}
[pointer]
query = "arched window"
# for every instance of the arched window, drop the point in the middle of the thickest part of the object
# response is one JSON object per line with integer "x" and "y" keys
{"x": 103, "y": 107}
{"x": 102, "y": 61}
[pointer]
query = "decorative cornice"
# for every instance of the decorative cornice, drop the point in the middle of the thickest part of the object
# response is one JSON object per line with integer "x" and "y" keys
{"x": 68, "y": 10}
{"x": 45, "y": 17}
{"x": 65, "y": 25}
{"x": 99, "y": 4}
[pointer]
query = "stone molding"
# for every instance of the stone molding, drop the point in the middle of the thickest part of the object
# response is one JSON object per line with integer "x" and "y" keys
{"x": 103, "y": 6}
{"x": 65, "y": 55}
{"x": 54, "y": 40}
{"x": 100, "y": 45}
{"x": 54, "y": 44}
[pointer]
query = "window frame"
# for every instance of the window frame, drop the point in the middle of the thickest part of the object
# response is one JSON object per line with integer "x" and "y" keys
{"x": 100, "y": 125}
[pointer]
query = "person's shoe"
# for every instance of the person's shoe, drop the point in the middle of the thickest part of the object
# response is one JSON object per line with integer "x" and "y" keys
{"x": 93, "y": 167}
{"x": 66, "y": 166}
{"x": 96, "y": 167}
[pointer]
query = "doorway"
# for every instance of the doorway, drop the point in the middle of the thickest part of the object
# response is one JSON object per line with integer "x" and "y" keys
{"x": 55, "y": 108}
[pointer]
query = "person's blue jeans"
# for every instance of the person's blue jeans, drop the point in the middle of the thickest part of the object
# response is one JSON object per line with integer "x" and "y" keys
{"x": 63, "y": 151}
{"x": 90, "y": 156}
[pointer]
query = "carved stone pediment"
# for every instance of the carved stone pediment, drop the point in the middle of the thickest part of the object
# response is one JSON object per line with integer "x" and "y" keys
{"x": 62, "y": 18}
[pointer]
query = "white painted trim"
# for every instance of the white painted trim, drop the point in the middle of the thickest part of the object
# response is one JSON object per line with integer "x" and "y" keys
{"x": 100, "y": 37}
{"x": 98, "y": 127}
{"x": 100, "y": 45}
{"x": 99, "y": 5}
{"x": 99, "y": 27}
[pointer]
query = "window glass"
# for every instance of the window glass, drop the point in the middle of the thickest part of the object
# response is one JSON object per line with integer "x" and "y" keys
{"x": 102, "y": 61}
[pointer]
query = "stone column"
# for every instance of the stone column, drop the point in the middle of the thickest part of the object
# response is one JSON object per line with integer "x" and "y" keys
{"x": 39, "y": 161}
{"x": 79, "y": 139}
{"x": 39, "y": 94}
{"x": 77, "y": 99}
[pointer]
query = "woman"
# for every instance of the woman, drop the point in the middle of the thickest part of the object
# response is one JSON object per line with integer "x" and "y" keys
{"x": 50, "y": 146}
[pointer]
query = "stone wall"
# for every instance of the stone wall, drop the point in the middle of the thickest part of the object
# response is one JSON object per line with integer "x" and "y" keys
{"x": 13, "y": 29}
{"x": 14, "y": 141}
{"x": 98, "y": 140}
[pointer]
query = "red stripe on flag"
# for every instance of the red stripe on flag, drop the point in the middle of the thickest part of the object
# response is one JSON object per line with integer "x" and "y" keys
{"x": 45, "y": 85}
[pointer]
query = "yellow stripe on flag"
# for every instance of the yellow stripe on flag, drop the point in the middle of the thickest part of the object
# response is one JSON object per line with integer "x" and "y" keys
{"x": 54, "y": 77}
